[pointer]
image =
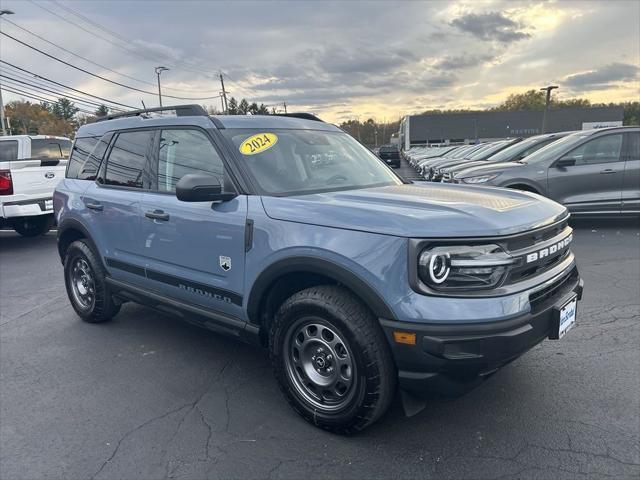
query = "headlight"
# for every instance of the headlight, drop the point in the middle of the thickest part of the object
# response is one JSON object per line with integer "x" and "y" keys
{"x": 479, "y": 179}
{"x": 464, "y": 267}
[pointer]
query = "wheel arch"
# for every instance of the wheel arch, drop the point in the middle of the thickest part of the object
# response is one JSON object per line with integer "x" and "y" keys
{"x": 317, "y": 271}
{"x": 525, "y": 186}
{"x": 69, "y": 231}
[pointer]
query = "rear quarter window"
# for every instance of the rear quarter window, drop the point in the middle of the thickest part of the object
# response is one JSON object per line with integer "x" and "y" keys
{"x": 8, "y": 150}
{"x": 50, "y": 148}
{"x": 79, "y": 154}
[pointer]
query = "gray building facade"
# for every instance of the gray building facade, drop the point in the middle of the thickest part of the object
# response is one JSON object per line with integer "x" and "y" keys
{"x": 482, "y": 126}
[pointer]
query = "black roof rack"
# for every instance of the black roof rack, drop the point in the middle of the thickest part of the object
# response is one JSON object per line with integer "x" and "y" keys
{"x": 303, "y": 115}
{"x": 181, "y": 111}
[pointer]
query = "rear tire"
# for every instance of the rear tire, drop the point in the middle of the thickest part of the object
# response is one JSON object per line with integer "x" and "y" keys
{"x": 33, "y": 226}
{"x": 331, "y": 359}
{"x": 85, "y": 280}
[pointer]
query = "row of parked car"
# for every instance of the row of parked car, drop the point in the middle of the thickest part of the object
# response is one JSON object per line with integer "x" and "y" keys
{"x": 592, "y": 172}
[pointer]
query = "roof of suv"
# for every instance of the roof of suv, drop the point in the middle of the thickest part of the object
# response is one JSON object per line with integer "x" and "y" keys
{"x": 217, "y": 121}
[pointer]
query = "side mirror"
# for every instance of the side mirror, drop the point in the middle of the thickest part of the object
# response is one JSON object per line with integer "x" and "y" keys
{"x": 565, "y": 162}
{"x": 196, "y": 187}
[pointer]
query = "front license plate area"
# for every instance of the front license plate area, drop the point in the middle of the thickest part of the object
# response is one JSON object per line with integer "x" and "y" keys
{"x": 565, "y": 319}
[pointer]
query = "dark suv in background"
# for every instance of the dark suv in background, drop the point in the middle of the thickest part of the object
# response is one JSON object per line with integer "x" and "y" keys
{"x": 390, "y": 154}
{"x": 593, "y": 172}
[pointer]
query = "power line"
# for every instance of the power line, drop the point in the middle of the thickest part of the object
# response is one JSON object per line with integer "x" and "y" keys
{"x": 32, "y": 96}
{"x": 155, "y": 58}
{"x": 40, "y": 88}
{"x": 37, "y": 82}
{"x": 66, "y": 86}
{"x": 99, "y": 76}
{"x": 84, "y": 58}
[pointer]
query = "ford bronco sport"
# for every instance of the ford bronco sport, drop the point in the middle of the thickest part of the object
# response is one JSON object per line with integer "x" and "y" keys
{"x": 286, "y": 232}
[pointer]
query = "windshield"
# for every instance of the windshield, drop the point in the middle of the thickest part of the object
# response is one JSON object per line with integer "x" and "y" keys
{"x": 553, "y": 149}
{"x": 287, "y": 162}
{"x": 485, "y": 152}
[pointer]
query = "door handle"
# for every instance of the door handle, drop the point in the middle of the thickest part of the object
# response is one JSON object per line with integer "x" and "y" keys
{"x": 95, "y": 206}
{"x": 607, "y": 171}
{"x": 157, "y": 215}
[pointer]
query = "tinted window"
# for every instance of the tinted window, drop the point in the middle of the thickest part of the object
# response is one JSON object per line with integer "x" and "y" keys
{"x": 182, "y": 152}
{"x": 605, "y": 149}
{"x": 633, "y": 146}
{"x": 79, "y": 154}
{"x": 89, "y": 170}
{"x": 8, "y": 150}
{"x": 128, "y": 159}
{"x": 50, "y": 148}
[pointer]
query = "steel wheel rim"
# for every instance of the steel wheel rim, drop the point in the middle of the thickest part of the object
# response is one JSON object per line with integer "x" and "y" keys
{"x": 82, "y": 283}
{"x": 320, "y": 364}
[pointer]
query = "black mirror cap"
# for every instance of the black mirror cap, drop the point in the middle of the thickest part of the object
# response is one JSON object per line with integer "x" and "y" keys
{"x": 565, "y": 162}
{"x": 196, "y": 187}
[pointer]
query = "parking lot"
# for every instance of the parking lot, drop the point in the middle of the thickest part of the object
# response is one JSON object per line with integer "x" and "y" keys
{"x": 147, "y": 396}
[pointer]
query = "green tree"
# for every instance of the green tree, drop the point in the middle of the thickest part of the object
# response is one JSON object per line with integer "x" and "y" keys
{"x": 253, "y": 108}
{"x": 243, "y": 107}
{"x": 102, "y": 111}
{"x": 64, "y": 109}
{"x": 263, "y": 110}
{"x": 232, "y": 107}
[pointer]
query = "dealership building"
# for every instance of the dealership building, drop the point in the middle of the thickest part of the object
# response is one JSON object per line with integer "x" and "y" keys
{"x": 475, "y": 127}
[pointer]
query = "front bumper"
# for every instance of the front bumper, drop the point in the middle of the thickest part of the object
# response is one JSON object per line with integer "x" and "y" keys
{"x": 451, "y": 359}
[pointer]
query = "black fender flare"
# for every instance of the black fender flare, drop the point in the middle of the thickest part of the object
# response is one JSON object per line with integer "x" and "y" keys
{"x": 319, "y": 266}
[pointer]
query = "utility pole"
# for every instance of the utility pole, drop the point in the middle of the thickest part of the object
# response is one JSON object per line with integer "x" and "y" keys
{"x": 284, "y": 104}
{"x": 546, "y": 105}
{"x": 224, "y": 95}
{"x": 159, "y": 70}
{"x": 4, "y": 128}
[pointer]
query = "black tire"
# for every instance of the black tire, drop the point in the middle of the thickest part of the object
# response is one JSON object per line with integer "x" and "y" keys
{"x": 373, "y": 381}
{"x": 33, "y": 226}
{"x": 97, "y": 305}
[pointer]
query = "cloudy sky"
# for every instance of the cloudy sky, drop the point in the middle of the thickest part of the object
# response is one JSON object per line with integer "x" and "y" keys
{"x": 337, "y": 59}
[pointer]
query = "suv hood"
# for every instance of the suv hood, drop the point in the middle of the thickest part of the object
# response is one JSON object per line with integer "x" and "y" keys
{"x": 430, "y": 210}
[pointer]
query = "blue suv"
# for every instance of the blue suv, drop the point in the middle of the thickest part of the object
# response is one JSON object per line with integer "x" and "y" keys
{"x": 286, "y": 232}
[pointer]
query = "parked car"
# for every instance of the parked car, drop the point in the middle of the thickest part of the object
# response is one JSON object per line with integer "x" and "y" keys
{"x": 435, "y": 170}
{"x": 513, "y": 153}
{"x": 355, "y": 280}
{"x": 592, "y": 172}
{"x": 390, "y": 154}
{"x": 462, "y": 152}
{"x": 30, "y": 168}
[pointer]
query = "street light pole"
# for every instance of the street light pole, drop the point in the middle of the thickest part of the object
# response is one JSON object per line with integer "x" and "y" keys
{"x": 159, "y": 70}
{"x": 2, "y": 121}
{"x": 546, "y": 105}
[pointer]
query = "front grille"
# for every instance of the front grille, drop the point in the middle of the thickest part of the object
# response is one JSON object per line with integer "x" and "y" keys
{"x": 538, "y": 298}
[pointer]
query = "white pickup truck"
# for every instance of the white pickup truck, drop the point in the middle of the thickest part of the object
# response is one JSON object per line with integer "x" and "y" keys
{"x": 30, "y": 168}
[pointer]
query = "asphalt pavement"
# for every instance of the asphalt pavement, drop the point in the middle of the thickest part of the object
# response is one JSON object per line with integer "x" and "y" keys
{"x": 148, "y": 396}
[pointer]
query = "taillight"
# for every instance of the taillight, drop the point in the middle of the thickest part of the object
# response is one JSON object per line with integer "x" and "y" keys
{"x": 6, "y": 184}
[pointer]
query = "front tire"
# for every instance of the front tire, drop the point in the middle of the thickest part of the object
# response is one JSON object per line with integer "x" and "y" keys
{"x": 331, "y": 359}
{"x": 85, "y": 280}
{"x": 33, "y": 226}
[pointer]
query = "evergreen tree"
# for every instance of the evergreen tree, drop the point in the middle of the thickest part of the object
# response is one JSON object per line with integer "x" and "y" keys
{"x": 243, "y": 107}
{"x": 232, "y": 107}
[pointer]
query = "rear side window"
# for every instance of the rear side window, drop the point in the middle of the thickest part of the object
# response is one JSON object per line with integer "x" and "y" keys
{"x": 182, "y": 152}
{"x": 79, "y": 154}
{"x": 50, "y": 148}
{"x": 8, "y": 150}
{"x": 89, "y": 170}
{"x": 633, "y": 146}
{"x": 127, "y": 164}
